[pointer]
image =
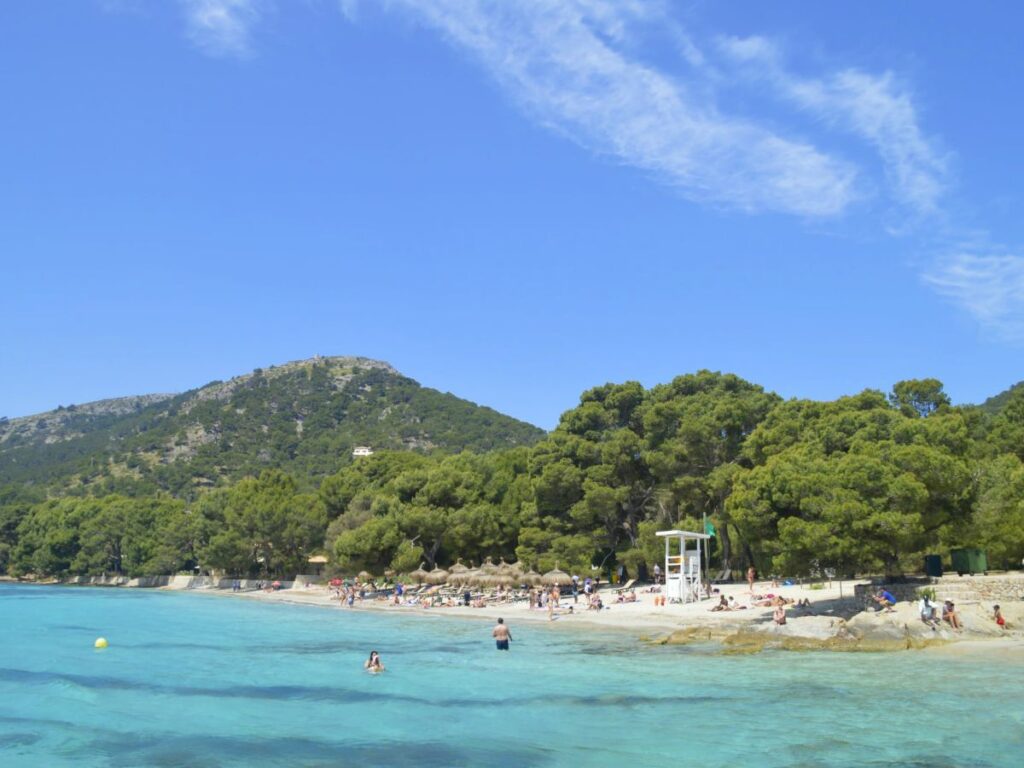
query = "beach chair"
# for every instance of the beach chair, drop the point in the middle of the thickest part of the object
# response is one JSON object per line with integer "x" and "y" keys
{"x": 625, "y": 587}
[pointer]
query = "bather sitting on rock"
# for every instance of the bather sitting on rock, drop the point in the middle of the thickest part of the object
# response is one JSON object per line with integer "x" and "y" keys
{"x": 885, "y": 599}
{"x": 927, "y": 611}
{"x": 950, "y": 615}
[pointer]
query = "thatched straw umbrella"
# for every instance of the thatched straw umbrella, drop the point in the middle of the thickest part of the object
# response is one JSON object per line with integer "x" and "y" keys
{"x": 556, "y": 577}
{"x": 474, "y": 578}
{"x": 488, "y": 567}
{"x": 504, "y": 580}
{"x": 437, "y": 576}
{"x": 531, "y": 578}
{"x": 458, "y": 567}
{"x": 419, "y": 575}
{"x": 365, "y": 576}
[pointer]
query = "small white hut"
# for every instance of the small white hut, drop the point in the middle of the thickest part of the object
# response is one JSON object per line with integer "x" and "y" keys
{"x": 683, "y": 566}
{"x": 362, "y": 450}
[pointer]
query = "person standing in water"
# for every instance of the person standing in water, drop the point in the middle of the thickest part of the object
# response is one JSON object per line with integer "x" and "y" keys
{"x": 501, "y": 635}
{"x": 373, "y": 665}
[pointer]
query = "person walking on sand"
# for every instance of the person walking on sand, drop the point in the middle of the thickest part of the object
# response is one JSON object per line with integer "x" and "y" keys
{"x": 751, "y": 575}
{"x": 501, "y": 635}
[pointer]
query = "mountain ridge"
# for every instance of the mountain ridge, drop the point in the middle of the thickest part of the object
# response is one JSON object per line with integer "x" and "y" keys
{"x": 303, "y": 415}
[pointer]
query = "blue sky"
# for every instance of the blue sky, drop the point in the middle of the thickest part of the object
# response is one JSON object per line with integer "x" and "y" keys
{"x": 512, "y": 202}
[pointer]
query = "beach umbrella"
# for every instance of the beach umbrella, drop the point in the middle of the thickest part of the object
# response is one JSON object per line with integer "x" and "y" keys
{"x": 556, "y": 577}
{"x": 365, "y": 575}
{"x": 437, "y": 576}
{"x": 458, "y": 568}
{"x": 502, "y": 580}
{"x": 474, "y": 577}
{"x": 335, "y": 582}
{"x": 531, "y": 578}
{"x": 488, "y": 567}
{"x": 419, "y": 575}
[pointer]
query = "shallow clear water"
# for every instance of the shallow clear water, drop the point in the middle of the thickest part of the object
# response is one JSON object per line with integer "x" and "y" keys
{"x": 199, "y": 680}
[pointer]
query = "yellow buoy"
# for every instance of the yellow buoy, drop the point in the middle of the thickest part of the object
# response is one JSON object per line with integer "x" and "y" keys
{"x": 101, "y": 642}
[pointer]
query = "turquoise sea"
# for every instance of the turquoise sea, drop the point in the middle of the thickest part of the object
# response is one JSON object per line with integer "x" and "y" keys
{"x": 202, "y": 681}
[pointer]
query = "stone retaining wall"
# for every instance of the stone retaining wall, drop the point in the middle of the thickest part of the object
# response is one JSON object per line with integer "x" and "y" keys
{"x": 1006, "y": 587}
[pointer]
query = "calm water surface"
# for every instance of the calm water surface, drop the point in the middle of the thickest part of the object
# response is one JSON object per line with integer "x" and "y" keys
{"x": 202, "y": 681}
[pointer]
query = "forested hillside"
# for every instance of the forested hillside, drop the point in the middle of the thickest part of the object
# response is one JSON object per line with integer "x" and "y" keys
{"x": 302, "y": 417}
{"x": 867, "y": 483}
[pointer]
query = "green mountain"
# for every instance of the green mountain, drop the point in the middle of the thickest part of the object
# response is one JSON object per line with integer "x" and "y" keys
{"x": 996, "y": 403}
{"x": 305, "y": 417}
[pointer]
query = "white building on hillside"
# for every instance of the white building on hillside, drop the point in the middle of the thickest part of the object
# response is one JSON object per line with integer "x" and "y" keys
{"x": 362, "y": 450}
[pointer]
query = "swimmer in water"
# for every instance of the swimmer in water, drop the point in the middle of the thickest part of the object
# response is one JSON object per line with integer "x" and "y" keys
{"x": 373, "y": 665}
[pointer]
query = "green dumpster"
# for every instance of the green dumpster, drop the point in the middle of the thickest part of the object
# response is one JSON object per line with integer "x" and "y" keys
{"x": 933, "y": 565}
{"x": 970, "y": 561}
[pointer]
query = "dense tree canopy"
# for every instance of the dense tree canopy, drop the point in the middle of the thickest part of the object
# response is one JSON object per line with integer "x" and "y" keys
{"x": 866, "y": 483}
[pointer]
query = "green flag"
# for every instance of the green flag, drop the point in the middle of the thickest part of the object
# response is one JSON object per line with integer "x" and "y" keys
{"x": 709, "y": 529}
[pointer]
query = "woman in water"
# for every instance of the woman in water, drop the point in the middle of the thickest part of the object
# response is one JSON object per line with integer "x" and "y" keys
{"x": 373, "y": 665}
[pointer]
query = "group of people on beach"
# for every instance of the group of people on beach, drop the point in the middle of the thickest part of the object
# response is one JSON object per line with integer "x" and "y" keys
{"x": 930, "y": 613}
{"x": 778, "y": 602}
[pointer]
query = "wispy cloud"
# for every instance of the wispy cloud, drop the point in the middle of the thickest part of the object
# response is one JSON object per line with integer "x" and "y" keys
{"x": 991, "y": 288}
{"x": 580, "y": 68}
{"x": 570, "y": 65}
{"x": 222, "y": 27}
{"x": 877, "y": 108}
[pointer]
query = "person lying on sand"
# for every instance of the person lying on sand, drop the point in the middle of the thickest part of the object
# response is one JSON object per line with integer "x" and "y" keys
{"x": 734, "y": 605}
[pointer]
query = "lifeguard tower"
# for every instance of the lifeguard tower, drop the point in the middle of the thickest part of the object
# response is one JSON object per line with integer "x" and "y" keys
{"x": 683, "y": 567}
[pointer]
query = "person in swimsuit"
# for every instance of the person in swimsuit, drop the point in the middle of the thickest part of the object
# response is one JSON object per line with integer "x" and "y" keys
{"x": 950, "y": 615}
{"x": 501, "y": 635}
{"x": 779, "y": 615}
{"x": 751, "y": 575}
{"x": 998, "y": 616}
{"x": 373, "y": 665}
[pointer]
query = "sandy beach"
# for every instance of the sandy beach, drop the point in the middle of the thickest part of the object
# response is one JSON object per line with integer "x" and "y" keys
{"x": 834, "y": 621}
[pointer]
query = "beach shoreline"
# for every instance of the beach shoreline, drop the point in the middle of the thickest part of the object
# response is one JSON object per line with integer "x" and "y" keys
{"x": 835, "y": 620}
